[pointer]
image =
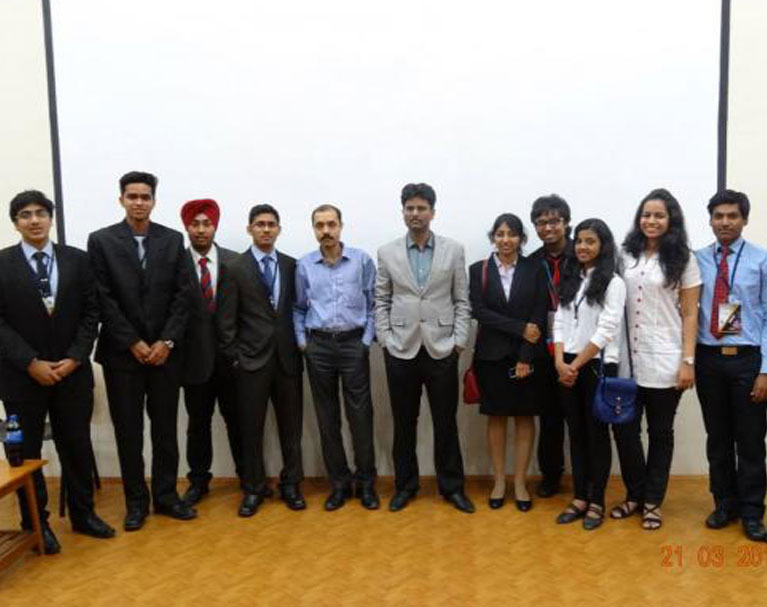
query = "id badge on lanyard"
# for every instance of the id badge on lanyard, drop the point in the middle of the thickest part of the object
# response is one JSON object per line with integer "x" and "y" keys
{"x": 730, "y": 322}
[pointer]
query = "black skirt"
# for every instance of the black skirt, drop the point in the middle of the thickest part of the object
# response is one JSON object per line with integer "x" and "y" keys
{"x": 502, "y": 395}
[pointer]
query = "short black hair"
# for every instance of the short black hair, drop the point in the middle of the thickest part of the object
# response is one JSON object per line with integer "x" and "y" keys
{"x": 27, "y": 197}
{"x": 730, "y": 197}
{"x": 327, "y": 207}
{"x": 514, "y": 223}
{"x": 260, "y": 209}
{"x": 419, "y": 190}
{"x": 552, "y": 203}
{"x": 138, "y": 177}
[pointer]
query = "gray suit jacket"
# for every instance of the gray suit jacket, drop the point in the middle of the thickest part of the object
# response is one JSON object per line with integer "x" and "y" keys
{"x": 436, "y": 316}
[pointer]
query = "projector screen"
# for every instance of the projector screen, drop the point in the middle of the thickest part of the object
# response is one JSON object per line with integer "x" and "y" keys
{"x": 305, "y": 102}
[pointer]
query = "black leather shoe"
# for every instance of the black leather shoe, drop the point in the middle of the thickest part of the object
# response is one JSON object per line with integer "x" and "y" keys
{"x": 523, "y": 505}
{"x": 50, "y": 543}
{"x": 92, "y": 525}
{"x": 134, "y": 519}
{"x": 195, "y": 493}
{"x": 720, "y": 518}
{"x": 496, "y": 502}
{"x": 178, "y": 510}
{"x": 337, "y": 498}
{"x": 548, "y": 487}
{"x": 400, "y": 500}
{"x": 461, "y": 502}
{"x": 249, "y": 505}
{"x": 291, "y": 495}
{"x": 754, "y": 530}
{"x": 368, "y": 498}
{"x": 592, "y": 522}
{"x": 571, "y": 514}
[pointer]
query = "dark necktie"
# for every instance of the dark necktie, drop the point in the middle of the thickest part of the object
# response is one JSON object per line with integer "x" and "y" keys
{"x": 206, "y": 284}
{"x": 41, "y": 274}
{"x": 721, "y": 291}
{"x": 267, "y": 276}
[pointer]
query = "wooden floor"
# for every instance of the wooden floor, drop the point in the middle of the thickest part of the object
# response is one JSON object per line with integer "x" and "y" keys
{"x": 428, "y": 554}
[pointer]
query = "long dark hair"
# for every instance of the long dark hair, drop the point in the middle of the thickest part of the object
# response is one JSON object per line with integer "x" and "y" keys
{"x": 674, "y": 251}
{"x": 604, "y": 269}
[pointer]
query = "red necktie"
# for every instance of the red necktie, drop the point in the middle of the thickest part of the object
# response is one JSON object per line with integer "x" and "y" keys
{"x": 206, "y": 284}
{"x": 721, "y": 291}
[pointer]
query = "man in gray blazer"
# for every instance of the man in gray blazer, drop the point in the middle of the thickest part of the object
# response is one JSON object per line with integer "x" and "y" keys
{"x": 422, "y": 323}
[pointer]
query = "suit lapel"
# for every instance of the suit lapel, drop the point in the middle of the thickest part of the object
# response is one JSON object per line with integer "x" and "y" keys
{"x": 154, "y": 246}
{"x": 282, "y": 264}
{"x": 438, "y": 259}
{"x": 129, "y": 247}
{"x": 403, "y": 261}
{"x": 65, "y": 270}
{"x": 26, "y": 281}
{"x": 258, "y": 280}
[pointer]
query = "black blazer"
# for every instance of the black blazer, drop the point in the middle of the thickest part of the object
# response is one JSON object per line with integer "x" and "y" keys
{"x": 27, "y": 331}
{"x": 502, "y": 322}
{"x": 250, "y": 329}
{"x": 149, "y": 304}
{"x": 201, "y": 348}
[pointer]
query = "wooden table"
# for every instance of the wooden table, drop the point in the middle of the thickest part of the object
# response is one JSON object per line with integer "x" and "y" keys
{"x": 13, "y": 544}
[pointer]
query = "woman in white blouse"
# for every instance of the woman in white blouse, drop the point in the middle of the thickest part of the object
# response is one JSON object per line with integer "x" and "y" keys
{"x": 587, "y": 326}
{"x": 663, "y": 283}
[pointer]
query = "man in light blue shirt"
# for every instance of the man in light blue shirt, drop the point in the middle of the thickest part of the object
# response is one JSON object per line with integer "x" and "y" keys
{"x": 731, "y": 366}
{"x": 335, "y": 325}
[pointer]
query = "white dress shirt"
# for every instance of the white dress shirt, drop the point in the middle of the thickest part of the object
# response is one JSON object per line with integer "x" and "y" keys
{"x": 212, "y": 265}
{"x": 655, "y": 319}
{"x": 578, "y": 323}
{"x": 506, "y": 273}
{"x": 49, "y": 262}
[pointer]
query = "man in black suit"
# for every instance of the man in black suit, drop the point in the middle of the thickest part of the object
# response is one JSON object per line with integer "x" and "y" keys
{"x": 48, "y": 321}
{"x": 141, "y": 276}
{"x": 207, "y": 377}
{"x": 256, "y": 332}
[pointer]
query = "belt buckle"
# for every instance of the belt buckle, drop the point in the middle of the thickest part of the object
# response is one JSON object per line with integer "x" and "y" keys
{"x": 729, "y": 350}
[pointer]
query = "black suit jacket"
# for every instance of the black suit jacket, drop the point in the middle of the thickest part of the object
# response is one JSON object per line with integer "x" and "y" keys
{"x": 139, "y": 304}
{"x": 250, "y": 329}
{"x": 201, "y": 344}
{"x": 501, "y": 321}
{"x": 27, "y": 331}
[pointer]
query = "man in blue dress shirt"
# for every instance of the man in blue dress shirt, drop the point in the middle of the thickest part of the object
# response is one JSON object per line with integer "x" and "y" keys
{"x": 731, "y": 366}
{"x": 335, "y": 325}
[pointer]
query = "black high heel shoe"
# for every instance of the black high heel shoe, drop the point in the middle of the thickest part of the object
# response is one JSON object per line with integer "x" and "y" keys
{"x": 497, "y": 502}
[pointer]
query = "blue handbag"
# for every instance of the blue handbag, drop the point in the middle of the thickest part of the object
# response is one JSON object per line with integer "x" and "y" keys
{"x": 615, "y": 397}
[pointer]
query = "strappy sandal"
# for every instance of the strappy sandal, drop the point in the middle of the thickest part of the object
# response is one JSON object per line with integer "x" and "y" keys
{"x": 624, "y": 509}
{"x": 570, "y": 514}
{"x": 592, "y": 522}
{"x": 651, "y": 518}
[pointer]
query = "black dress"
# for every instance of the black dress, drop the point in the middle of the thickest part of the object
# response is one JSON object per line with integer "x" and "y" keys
{"x": 500, "y": 344}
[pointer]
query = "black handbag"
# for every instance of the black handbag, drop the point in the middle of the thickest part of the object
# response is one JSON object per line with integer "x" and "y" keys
{"x": 615, "y": 397}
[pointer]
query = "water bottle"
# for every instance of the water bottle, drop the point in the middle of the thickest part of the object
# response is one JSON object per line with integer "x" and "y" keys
{"x": 14, "y": 441}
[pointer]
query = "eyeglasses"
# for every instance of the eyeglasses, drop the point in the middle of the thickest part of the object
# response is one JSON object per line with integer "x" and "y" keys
{"x": 551, "y": 223}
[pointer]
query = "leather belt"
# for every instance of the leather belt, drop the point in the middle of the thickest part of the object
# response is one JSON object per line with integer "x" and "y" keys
{"x": 337, "y": 335}
{"x": 729, "y": 350}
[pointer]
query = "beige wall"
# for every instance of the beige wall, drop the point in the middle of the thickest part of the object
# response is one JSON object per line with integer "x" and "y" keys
{"x": 25, "y": 161}
{"x": 25, "y": 153}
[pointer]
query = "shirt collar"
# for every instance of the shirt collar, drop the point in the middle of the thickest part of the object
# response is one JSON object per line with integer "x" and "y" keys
{"x": 212, "y": 255}
{"x": 316, "y": 255}
{"x": 500, "y": 264}
{"x": 734, "y": 245}
{"x": 410, "y": 244}
{"x": 259, "y": 254}
{"x": 29, "y": 250}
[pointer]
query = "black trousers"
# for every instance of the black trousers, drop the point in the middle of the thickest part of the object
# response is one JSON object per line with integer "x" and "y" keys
{"x": 71, "y": 424}
{"x": 406, "y": 379}
{"x": 551, "y": 435}
{"x": 590, "y": 449}
{"x": 254, "y": 390}
{"x": 646, "y": 481}
{"x": 200, "y": 401}
{"x": 735, "y": 428}
{"x": 328, "y": 361}
{"x": 128, "y": 393}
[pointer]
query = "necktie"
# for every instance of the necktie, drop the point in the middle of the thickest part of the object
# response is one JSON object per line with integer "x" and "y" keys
{"x": 206, "y": 284}
{"x": 141, "y": 250}
{"x": 41, "y": 274}
{"x": 721, "y": 291}
{"x": 267, "y": 276}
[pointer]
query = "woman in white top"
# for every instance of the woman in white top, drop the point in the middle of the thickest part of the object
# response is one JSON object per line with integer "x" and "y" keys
{"x": 587, "y": 324}
{"x": 663, "y": 283}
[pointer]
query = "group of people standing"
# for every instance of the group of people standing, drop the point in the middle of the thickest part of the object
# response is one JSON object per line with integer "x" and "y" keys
{"x": 238, "y": 329}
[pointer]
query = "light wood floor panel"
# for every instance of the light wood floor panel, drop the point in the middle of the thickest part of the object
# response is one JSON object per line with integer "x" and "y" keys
{"x": 427, "y": 555}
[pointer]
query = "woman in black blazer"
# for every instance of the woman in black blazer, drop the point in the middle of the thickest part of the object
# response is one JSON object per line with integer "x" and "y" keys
{"x": 508, "y": 298}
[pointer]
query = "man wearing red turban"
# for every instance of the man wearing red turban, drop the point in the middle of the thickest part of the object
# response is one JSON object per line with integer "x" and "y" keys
{"x": 206, "y": 376}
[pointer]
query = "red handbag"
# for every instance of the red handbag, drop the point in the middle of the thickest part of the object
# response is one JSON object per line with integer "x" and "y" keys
{"x": 471, "y": 394}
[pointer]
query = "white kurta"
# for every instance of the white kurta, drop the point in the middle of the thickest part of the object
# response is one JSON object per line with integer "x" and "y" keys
{"x": 655, "y": 319}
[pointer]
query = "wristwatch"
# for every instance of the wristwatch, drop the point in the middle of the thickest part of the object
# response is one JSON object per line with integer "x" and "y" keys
{"x": 170, "y": 343}
{"x": 690, "y": 360}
